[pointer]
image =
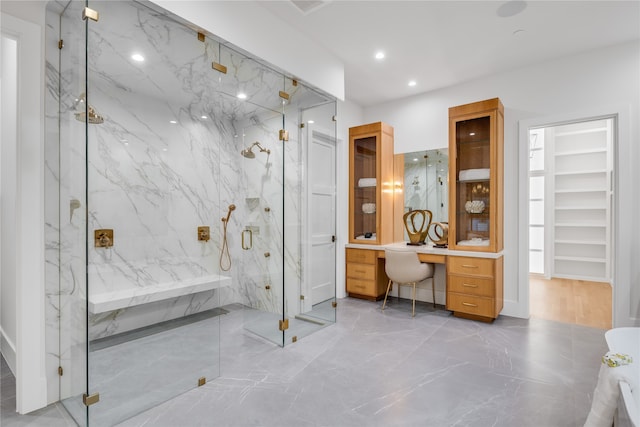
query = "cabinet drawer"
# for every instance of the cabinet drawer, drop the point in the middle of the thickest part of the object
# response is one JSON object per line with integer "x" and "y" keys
{"x": 479, "y": 306}
{"x": 471, "y": 285}
{"x": 469, "y": 265}
{"x": 361, "y": 271}
{"x": 362, "y": 287}
{"x": 362, "y": 256}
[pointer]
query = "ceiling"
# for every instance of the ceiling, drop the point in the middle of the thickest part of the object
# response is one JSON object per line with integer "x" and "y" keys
{"x": 444, "y": 43}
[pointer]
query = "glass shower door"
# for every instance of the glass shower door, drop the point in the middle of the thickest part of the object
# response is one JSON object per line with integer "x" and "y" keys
{"x": 153, "y": 201}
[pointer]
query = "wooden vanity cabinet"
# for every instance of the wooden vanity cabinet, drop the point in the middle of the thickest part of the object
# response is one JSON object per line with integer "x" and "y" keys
{"x": 366, "y": 277}
{"x": 475, "y": 287}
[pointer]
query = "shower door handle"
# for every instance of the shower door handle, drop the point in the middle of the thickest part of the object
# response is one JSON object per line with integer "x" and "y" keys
{"x": 246, "y": 246}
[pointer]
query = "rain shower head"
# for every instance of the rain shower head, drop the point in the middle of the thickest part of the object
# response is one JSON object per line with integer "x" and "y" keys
{"x": 81, "y": 115}
{"x": 249, "y": 154}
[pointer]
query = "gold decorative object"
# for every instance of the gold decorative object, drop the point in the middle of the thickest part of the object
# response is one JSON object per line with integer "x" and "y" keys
{"x": 439, "y": 234}
{"x": 417, "y": 224}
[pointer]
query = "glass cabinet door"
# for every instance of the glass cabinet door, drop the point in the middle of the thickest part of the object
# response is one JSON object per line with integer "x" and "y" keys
{"x": 476, "y": 196}
{"x": 364, "y": 189}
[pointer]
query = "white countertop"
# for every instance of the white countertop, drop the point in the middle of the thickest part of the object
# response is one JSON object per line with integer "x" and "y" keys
{"x": 426, "y": 249}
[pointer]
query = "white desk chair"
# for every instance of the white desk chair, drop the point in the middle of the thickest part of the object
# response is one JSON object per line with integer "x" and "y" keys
{"x": 404, "y": 268}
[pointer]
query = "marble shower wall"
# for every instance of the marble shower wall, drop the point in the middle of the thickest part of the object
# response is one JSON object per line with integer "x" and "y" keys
{"x": 154, "y": 182}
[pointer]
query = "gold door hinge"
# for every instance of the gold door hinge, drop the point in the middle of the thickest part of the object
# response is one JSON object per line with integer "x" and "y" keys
{"x": 90, "y": 13}
{"x": 60, "y": 44}
{"x": 283, "y": 95}
{"x": 283, "y": 325}
{"x": 301, "y": 125}
{"x": 334, "y": 304}
{"x": 283, "y": 135}
{"x": 334, "y": 118}
{"x": 202, "y": 381}
{"x": 90, "y": 399}
{"x": 294, "y": 82}
{"x": 219, "y": 67}
{"x": 302, "y": 297}
{"x": 294, "y": 338}
{"x": 60, "y": 371}
{"x": 200, "y": 36}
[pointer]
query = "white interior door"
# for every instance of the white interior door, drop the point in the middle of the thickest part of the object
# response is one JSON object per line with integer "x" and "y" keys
{"x": 320, "y": 277}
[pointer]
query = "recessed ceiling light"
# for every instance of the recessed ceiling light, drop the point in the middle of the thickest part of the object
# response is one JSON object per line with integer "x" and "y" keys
{"x": 310, "y": 121}
{"x": 242, "y": 95}
{"x": 380, "y": 55}
{"x": 415, "y": 160}
{"x": 164, "y": 149}
{"x": 137, "y": 57}
{"x": 412, "y": 83}
{"x": 203, "y": 117}
{"x": 173, "y": 122}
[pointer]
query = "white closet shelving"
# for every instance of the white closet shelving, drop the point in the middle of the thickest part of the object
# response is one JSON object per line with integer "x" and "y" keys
{"x": 582, "y": 191}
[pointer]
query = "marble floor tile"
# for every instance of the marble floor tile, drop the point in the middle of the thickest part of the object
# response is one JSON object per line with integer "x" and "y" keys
{"x": 385, "y": 368}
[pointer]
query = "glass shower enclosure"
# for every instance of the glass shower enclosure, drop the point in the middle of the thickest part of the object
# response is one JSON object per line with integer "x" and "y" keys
{"x": 181, "y": 167}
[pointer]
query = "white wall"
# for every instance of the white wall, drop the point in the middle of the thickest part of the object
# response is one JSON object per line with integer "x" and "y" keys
{"x": 8, "y": 78}
{"x": 604, "y": 79}
{"x": 31, "y": 386}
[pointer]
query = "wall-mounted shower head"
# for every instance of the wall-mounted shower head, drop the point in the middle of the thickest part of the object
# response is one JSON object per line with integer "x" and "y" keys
{"x": 249, "y": 154}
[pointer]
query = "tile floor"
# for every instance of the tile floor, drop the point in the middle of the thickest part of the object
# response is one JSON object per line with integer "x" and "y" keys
{"x": 375, "y": 368}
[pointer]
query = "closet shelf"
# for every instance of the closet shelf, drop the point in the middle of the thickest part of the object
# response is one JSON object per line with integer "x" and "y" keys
{"x": 583, "y": 190}
{"x": 580, "y": 259}
{"x": 581, "y": 224}
{"x": 581, "y": 208}
{"x": 579, "y": 152}
{"x": 581, "y": 172}
{"x": 581, "y": 242}
{"x": 581, "y": 132}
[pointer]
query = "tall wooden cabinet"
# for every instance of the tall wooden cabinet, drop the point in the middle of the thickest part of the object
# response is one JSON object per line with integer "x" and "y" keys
{"x": 371, "y": 184}
{"x": 476, "y": 181}
{"x": 371, "y": 207}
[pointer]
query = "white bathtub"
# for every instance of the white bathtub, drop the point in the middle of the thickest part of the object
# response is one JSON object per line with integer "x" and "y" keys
{"x": 627, "y": 341}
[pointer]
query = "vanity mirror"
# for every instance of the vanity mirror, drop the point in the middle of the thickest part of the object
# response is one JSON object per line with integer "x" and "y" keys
{"x": 426, "y": 182}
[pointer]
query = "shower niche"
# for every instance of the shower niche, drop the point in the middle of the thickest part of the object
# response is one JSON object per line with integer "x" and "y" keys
{"x": 158, "y": 150}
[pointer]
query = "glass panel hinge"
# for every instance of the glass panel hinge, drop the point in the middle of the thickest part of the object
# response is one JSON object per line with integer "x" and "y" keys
{"x": 90, "y": 14}
{"x": 202, "y": 381}
{"x": 89, "y": 400}
{"x": 283, "y": 135}
{"x": 283, "y": 325}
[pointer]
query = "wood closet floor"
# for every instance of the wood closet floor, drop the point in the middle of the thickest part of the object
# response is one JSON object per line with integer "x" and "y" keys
{"x": 571, "y": 301}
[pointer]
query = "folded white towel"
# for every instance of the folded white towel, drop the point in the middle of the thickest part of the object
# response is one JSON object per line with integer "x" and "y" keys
{"x": 605, "y": 396}
{"x": 473, "y": 174}
{"x": 367, "y": 182}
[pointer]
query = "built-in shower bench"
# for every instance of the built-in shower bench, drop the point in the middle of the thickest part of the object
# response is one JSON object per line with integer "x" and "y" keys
{"x": 109, "y": 301}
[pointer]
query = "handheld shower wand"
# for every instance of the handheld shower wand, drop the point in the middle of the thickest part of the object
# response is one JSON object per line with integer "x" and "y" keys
{"x": 224, "y": 253}
{"x": 232, "y": 208}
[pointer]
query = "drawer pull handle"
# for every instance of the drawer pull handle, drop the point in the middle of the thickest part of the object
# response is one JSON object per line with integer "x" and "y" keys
{"x": 469, "y": 286}
{"x": 468, "y": 304}
{"x": 469, "y": 266}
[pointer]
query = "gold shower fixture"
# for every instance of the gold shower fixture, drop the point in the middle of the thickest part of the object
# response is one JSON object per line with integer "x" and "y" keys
{"x": 248, "y": 152}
